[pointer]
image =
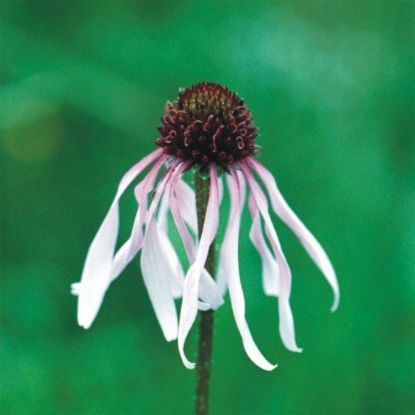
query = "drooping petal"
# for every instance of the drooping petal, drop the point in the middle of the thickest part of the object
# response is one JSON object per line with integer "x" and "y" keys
{"x": 187, "y": 238}
{"x": 310, "y": 243}
{"x": 176, "y": 276}
{"x": 230, "y": 264}
{"x": 75, "y": 288}
{"x": 187, "y": 204}
{"x": 270, "y": 269}
{"x": 156, "y": 277}
{"x": 163, "y": 214}
{"x": 96, "y": 274}
{"x": 286, "y": 324}
{"x": 208, "y": 289}
{"x": 221, "y": 277}
{"x": 191, "y": 284}
{"x": 131, "y": 247}
{"x": 157, "y": 269}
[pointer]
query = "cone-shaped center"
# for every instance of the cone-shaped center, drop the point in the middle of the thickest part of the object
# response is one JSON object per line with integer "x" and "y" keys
{"x": 207, "y": 124}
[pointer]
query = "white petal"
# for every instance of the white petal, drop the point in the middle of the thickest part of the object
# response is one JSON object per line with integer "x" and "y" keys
{"x": 163, "y": 213}
{"x": 157, "y": 267}
{"x": 286, "y": 325}
{"x": 131, "y": 247}
{"x": 176, "y": 210}
{"x": 75, "y": 287}
{"x": 270, "y": 269}
{"x": 176, "y": 275}
{"x": 229, "y": 255}
{"x": 187, "y": 204}
{"x": 156, "y": 274}
{"x": 209, "y": 291}
{"x": 221, "y": 277}
{"x": 96, "y": 275}
{"x": 203, "y": 306}
{"x": 191, "y": 284}
{"x": 310, "y": 243}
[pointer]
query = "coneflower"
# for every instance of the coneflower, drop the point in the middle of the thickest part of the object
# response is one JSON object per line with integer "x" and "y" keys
{"x": 210, "y": 130}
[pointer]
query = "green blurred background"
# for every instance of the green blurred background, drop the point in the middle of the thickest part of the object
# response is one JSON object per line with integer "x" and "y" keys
{"x": 331, "y": 86}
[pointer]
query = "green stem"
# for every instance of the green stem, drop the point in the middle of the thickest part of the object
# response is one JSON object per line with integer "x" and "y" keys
{"x": 206, "y": 317}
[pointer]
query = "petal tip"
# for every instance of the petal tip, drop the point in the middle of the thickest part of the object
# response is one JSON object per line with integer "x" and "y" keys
{"x": 75, "y": 288}
{"x": 294, "y": 348}
{"x": 85, "y": 325}
{"x": 189, "y": 365}
{"x": 171, "y": 337}
{"x": 334, "y": 307}
{"x": 336, "y": 303}
{"x": 84, "y": 320}
{"x": 270, "y": 367}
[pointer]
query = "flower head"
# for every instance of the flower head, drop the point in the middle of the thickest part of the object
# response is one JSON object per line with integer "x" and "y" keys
{"x": 210, "y": 128}
{"x": 207, "y": 124}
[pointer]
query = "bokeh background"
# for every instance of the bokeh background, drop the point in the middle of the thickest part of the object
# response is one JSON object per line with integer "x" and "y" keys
{"x": 331, "y": 86}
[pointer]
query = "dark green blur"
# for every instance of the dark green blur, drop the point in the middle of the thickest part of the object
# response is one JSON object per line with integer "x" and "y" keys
{"x": 331, "y": 87}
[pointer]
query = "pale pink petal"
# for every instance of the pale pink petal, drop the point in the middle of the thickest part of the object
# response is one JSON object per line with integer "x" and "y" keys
{"x": 157, "y": 268}
{"x": 191, "y": 284}
{"x": 270, "y": 269}
{"x": 185, "y": 235}
{"x": 163, "y": 214}
{"x": 75, "y": 288}
{"x": 230, "y": 264}
{"x": 156, "y": 274}
{"x": 286, "y": 325}
{"x": 187, "y": 204}
{"x": 221, "y": 277}
{"x": 307, "y": 239}
{"x": 203, "y": 306}
{"x": 176, "y": 275}
{"x": 131, "y": 247}
{"x": 96, "y": 274}
{"x": 208, "y": 290}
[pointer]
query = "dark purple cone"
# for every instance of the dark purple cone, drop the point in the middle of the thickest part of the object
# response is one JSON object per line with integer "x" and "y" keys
{"x": 208, "y": 123}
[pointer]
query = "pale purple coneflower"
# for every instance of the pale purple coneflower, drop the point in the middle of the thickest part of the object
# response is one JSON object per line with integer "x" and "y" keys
{"x": 208, "y": 128}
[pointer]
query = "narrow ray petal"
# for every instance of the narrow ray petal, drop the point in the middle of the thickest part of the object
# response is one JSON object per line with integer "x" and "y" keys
{"x": 156, "y": 277}
{"x": 97, "y": 269}
{"x": 270, "y": 269}
{"x": 157, "y": 268}
{"x": 286, "y": 325}
{"x": 230, "y": 264}
{"x": 208, "y": 289}
{"x": 176, "y": 275}
{"x": 75, "y": 288}
{"x": 131, "y": 247}
{"x": 162, "y": 218}
{"x": 221, "y": 275}
{"x": 187, "y": 204}
{"x": 310, "y": 243}
{"x": 187, "y": 238}
{"x": 191, "y": 285}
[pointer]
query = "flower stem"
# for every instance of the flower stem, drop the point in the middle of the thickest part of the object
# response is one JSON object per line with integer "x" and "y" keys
{"x": 206, "y": 317}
